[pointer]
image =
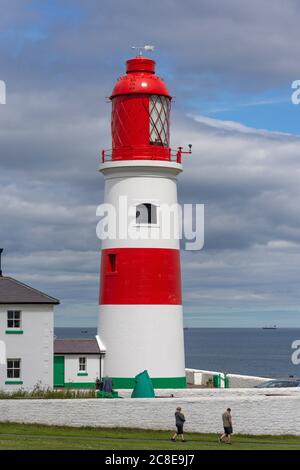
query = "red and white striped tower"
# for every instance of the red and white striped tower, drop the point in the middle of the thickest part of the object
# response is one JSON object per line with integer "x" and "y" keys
{"x": 140, "y": 320}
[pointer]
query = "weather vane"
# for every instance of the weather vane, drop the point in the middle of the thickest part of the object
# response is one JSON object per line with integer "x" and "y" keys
{"x": 146, "y": 47}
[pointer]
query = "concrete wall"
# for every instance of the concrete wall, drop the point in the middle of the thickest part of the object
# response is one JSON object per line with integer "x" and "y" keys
{"x": 244, "y": 381}
{"x": 200, "y": 377}
{"x": 34, "y": 347}
{"x": 253, "y": 412}
{"x": 72, "y": 368}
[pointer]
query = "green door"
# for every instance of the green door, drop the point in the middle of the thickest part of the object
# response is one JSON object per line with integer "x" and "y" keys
{"x": 59, "y": 371}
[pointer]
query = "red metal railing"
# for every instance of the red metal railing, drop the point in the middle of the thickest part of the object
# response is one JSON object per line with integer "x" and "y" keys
{"x": 144, "y": 153}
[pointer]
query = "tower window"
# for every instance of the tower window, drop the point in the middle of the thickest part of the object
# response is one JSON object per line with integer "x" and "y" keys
{"x": 112, "y": 263}
{"x": 146, "y": 213}
{"x": 159, "y": 109}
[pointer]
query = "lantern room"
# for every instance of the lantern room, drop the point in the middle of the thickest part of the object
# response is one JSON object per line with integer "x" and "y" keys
{"x": 140, "y": 119}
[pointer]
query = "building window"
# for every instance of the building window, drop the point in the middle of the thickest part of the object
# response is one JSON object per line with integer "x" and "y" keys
{"x": 112, "y": 262}
{"x": 13, "y": 368}
{"x": 82, "y": 364}
{"x": 146, "y": 214}
{"x": 159, "y": 109}
{"x": 13, "y": 319}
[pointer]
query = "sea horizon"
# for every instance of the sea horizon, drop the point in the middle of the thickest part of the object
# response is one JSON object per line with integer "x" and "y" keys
{"x": 240, "y": 350}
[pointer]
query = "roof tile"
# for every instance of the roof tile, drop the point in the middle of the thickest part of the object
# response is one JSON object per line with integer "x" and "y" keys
{"x": 15, "y": 292}
{"x": 76, "y": 346}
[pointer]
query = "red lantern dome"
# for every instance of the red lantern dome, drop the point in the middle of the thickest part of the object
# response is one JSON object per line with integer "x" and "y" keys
{"x": 140, "y": 119}
{"x": 140, "y": 78}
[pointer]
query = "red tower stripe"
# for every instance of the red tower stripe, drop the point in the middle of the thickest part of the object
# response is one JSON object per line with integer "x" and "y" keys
{"x": 140, "y": 276}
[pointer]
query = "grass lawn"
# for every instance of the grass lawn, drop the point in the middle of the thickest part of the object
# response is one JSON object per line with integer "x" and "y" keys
{"x": 32, "y": 436}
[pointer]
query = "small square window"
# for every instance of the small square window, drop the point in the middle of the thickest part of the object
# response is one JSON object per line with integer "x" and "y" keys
{"x": 13, "y": 368}
{"x": 13, "y": 319}
{"x": 146, "y": 213}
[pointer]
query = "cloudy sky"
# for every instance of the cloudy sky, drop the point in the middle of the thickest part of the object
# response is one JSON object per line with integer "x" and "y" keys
{"x": 230, "y": 66}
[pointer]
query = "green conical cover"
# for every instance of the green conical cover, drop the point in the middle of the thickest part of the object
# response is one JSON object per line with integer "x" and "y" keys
{"x": 143, "y": 386}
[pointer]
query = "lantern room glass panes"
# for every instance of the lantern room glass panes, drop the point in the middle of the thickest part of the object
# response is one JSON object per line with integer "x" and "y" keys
{"x": 159, "y": 108}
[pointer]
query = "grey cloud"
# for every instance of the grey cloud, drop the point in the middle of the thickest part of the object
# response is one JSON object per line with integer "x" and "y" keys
{"x": 206, "y": 45}
{"x": 245, "y": 261}
{"x": 56, "y": 121}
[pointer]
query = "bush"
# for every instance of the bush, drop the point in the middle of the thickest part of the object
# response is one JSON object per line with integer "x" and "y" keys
{"x": 48, "y": 393}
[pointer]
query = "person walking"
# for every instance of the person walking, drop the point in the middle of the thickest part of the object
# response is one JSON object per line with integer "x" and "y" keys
{"x": 179, "y": 421}
{"x": 227, "y": 424}
{"x": 97, "y": 383}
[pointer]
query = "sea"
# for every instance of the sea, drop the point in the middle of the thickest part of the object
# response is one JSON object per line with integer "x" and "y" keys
{"x": 249, "y": 351}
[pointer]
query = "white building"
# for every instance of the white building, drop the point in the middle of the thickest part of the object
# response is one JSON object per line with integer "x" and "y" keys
{"x": 26, "y": 335}
{"x": 78, "y": 362}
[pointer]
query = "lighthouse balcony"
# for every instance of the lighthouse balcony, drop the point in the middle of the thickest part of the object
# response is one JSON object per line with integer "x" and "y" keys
{"x": 153, "y": 152}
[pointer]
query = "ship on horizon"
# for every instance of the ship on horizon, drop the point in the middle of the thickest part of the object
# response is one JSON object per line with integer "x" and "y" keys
{"x": 272, "y": 327}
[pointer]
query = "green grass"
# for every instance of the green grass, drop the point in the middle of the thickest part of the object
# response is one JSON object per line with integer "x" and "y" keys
{"x": 32, "y": 436}
{"x": 47, "y": 394}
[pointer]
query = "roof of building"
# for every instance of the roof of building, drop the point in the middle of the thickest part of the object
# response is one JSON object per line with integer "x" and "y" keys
{"x": 15, "y": 292}
{"x": 76, "y": 346}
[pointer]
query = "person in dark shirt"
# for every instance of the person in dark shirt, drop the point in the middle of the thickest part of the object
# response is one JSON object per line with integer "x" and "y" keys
{"x": 179, "y": 421}
{"x": 97, "y": 383}
{"x": 227, "y": 424}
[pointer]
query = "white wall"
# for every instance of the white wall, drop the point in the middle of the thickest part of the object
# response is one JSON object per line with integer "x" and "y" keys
{"x": 142, "y": 181}
{"x": 200, "y": 377}
{"x": 72, "y": 368}
{"x": 253, "y": 412}
{"x": 244, "y": 381}
{"x": 148, "y": 336}
{"x": 34, "y": 347}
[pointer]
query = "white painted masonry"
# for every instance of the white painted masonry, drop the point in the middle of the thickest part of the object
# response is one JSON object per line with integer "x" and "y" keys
{"x": 142, "y": 181}
{"x": 72, "y": 368}
{"x": 163, "y": 324}
{"x": 200, "y": 377}
{"x": 34, "y": 347}
{"x": 244, "y": 381}
{"x": 253, "y": 412}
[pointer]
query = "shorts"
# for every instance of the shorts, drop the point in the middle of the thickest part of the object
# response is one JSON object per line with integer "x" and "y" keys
{"x": 179, "y": 429}
{"x": 228, "y": 430}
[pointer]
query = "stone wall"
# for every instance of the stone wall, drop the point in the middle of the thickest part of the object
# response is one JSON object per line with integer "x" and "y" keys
{"x": 254, "y": 412}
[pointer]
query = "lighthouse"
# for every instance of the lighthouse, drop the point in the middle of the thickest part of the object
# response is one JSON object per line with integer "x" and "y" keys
{"x": 140, "y": 317}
